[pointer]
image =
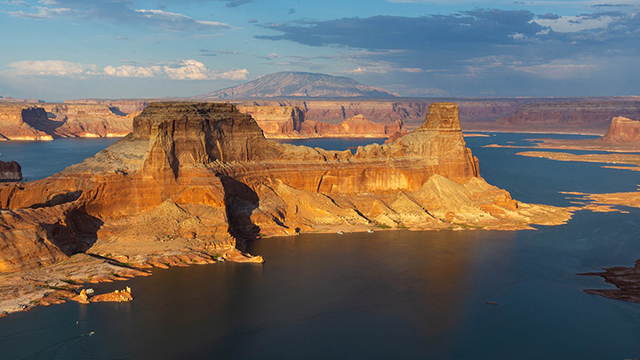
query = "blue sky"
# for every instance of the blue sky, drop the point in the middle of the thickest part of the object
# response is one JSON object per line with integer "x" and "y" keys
{"x": 63, "y": 49}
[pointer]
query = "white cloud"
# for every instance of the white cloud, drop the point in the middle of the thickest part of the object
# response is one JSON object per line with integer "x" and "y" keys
{"x": 51, "y": 68}
{"x": 169, "y": 18}
{"x": 181, "y": 70}
{"x": 566, "y": 24}
{"x": 41, "y": 13}
{"x": 381, "y": 67}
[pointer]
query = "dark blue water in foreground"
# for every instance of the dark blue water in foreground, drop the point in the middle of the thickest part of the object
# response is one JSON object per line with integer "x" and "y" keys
{"x": 387, "y": 295}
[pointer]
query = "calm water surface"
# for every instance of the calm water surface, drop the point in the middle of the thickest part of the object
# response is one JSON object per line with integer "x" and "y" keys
{"x": 40, "y": 159}
{"x": 387, "y": 295}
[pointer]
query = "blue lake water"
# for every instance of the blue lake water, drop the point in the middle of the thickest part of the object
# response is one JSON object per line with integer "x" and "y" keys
{"x": 387, "y": 295}
{"x": 40, "y": 159}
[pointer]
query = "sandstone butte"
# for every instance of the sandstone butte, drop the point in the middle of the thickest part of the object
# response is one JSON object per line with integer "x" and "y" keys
{"x": 622, "y": 130}
{"x": 194, "y": 181}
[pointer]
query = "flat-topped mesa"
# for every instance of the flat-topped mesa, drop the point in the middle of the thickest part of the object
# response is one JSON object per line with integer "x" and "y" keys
{"x": 19, "y": 122}
{"x": 200, "y": 133}
{"x": 623, "y": 130}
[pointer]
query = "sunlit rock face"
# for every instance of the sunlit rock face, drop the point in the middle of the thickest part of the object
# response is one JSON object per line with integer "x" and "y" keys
{"x": 623, "y": 130}
{"x": 40, "y": 122}
{"x": 199, "y": 176}
{"x": 286, "y": 122}
{"x": 16, "y": 122}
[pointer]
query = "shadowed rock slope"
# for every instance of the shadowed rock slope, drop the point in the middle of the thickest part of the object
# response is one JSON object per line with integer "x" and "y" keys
{"x": 197, "y": 177}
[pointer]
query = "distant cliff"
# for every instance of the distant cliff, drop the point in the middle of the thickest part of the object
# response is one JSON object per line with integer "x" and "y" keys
{"x": 623, "y": 130}
{"x": 285, "y": 122}
{"x": 586, "y": 116}
{"x": 410, "y": 111}
{"x": 20, "y": 122}
{"x": 48, "y": 121}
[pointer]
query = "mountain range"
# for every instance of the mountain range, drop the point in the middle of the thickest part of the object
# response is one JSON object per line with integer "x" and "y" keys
{"x": 301, "y": 85}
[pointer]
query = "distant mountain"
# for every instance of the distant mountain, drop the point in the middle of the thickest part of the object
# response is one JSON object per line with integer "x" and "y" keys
{"x": 301, "y": 85}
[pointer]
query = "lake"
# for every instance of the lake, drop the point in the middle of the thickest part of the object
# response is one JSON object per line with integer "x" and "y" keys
{"x": 386, "y": 295}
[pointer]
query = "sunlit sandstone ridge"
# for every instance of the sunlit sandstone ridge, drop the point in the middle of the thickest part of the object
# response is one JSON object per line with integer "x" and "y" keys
{"x": 194, "y": 178}
{"x": 43, "y": 121}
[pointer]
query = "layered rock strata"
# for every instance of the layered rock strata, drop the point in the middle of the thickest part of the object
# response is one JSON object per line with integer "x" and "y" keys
{"x": 622, "y": 130}
{"x": 195, "y": 177}
{"x": 48, "y": 121}
{"x": 580, "y": 116}
{"x": 17, "y": 122}
{"x": 285, "y": 122}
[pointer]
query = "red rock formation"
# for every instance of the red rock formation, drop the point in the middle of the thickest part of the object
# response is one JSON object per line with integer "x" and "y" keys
{"x": 86, "y": 120}
{"x": 585, "y": 116}
{"x": 49, "y": 121}
{"x": 411, "y": 112}
{"x": 277, "y": 121}
{"x": 116, "y": 296}
{"x": 623, "y": 130}
{"x": 199, "y": 176}
{"x": 10, "y": 171}
{"x": 289, "y": 123}
{"x": 17, "y": 122}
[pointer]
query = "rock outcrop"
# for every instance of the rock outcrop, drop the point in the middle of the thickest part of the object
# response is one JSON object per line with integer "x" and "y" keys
{"x": 18, "y": 122}
{"x": 10, "y": 171}
{"x": 410, "y": 111}
{"x": 277, "y": 121}
{"x": 123, "y": 295}
{"x": 578, "y": 116}
{"x": 201, "y": 177}
{"x": 285, "y": 122}
{"x": 623, "y": 130}
{"x": 48, "y": 121}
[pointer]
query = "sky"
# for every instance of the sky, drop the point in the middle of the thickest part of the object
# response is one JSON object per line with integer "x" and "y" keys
{"x": 70, "y": 49}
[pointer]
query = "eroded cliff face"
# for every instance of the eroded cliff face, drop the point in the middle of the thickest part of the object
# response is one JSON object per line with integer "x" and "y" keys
{"x": 197, "y": 177}
{"x": 286, "y": 122}
{"x": 623, "y": 130}
{"x": 277, "y": 121}
{"x": 17, "y": 122}
{"x": 49, "y": 121}
{"x": 586, "y": 116}
{"x": 411, "y": 112}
